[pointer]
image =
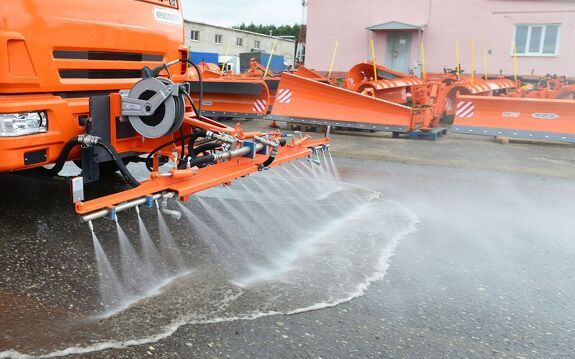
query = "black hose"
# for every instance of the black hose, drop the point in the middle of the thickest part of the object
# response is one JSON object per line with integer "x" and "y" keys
{"x": 191, "y": 101}
{"x": 270, "y": 159}
{"x": 201, "y": 81}
{"x": 201, "y": 161}
{"x": 281, "y": 143}
{"x": 159, "y": 148}
{"x": 63, "y": 158}
{"x": 76, "y": 141}
{"x": 195, "y": 136}
{"x": 183, "y": 152}
{"x": 121, "y": 166}
{"x": 205, "y": 147}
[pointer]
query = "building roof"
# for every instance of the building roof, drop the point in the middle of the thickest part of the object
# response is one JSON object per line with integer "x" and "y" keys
{"x": 395, "y": 25}
{"x": 280, "y": 38}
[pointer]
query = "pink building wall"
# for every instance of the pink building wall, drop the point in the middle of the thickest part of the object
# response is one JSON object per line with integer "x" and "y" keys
{"x": 490, "y": 22}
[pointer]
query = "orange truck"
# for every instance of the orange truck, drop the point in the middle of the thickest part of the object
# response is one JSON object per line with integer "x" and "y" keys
{"x": 103, "y": 83}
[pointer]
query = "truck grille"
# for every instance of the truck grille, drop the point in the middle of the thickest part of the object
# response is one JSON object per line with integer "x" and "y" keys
{"x": 100, "y": 74}
{"x": 126, "y": 71}
{"x": 105, "y": 56}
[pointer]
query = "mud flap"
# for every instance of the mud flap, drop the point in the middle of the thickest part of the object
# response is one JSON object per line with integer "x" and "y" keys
{"x": 539, "y": 119}
{"x": 305, "y": 101}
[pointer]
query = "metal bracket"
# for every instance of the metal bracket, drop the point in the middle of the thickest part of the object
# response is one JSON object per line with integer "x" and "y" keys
{"x": 77, "y": 189}
{"x": 112, "y": 215}
{"x": 136, "y": 107}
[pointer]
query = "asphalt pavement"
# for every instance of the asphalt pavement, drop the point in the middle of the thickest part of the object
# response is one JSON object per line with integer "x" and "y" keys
{"x": 469, "y": 254}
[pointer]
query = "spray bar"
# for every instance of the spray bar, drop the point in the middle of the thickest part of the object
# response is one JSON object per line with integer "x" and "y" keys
{"x": 111, "y": 212}
{"x": 221, "y": 168}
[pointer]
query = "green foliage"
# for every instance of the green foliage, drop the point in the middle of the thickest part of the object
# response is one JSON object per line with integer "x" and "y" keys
{"x": 282, "y": 30}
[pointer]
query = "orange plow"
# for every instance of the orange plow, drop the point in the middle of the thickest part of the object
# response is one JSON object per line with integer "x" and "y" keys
{"x": 466, "y": 86}
{"x": 231, "y": 96}
{"x": 241, "y": 95}
{"x": 525, "y": 118}
{"x": 301, "y": 100}
{"x": 390, "y": 85}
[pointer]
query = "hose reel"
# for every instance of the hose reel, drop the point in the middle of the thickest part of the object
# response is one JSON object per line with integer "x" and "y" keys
{"x": 155, "y": 107}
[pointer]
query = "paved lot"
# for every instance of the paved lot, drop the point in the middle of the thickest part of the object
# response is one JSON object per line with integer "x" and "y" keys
{"x": 489, "y": 272}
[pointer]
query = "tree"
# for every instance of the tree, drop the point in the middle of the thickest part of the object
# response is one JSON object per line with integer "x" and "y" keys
{"x": 282, "y": 30}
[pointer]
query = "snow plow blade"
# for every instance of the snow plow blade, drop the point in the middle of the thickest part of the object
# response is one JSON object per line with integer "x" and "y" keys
{"x": 527, "y": 118}
{"x": 303, "y": 71}
{"x": 305, "y": 101}
{"x": 233, "y": 97}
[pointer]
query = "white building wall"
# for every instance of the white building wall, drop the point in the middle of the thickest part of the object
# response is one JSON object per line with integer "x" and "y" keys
{"x": 229, "y": 46}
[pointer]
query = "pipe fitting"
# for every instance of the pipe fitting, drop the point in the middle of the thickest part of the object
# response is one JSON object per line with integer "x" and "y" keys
{"x": 164, "y": 206}
{"x": 174, "y": 214}
{"x": 88, "y": 140}
{"x": 222, "y": 137}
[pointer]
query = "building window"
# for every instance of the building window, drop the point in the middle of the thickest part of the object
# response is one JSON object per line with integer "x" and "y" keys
{"x": 537, "y": 40}
{"x": 195, "y": 35}
{"x": 240, "y": 42}
{"x": 219, "y": 38}
{"x": 257, "y": 44}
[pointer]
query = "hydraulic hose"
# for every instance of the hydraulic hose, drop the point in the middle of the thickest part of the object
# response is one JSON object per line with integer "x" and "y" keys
{"x": 195, "y": 136}
{"x": 201, "y": 161}
{"x": 205, "y": 147}
{"x": 88, "y": 140}
{"x": 159, "y": 148}
{"x": 73, "y": 142}
{"x": 121, "y": 166}
{"x": 280, "y": 143}
{"x": 201, "y": 81}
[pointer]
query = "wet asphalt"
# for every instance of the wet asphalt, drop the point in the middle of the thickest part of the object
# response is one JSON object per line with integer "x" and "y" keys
{"x": 489, "y": 272}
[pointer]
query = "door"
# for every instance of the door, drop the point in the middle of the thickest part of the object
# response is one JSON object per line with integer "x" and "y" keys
{"x": 398, "y": 50}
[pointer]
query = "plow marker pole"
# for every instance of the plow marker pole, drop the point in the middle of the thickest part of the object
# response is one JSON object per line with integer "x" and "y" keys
{"x": 374, "y": 60}
{"x": 332, "y": 60}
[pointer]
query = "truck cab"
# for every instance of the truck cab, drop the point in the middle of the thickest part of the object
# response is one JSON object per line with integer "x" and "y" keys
{"x": 57, "y": 54}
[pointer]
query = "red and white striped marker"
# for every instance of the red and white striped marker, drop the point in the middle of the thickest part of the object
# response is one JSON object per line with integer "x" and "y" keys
{"x": 284, "y": 96}
{"x": 260, "y": 106}
{"x": 449, "y": 104}
{"x": 465, "y": 109}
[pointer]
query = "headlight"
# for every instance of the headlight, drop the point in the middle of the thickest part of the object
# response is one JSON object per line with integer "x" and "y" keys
{"x": 21, "y": 124}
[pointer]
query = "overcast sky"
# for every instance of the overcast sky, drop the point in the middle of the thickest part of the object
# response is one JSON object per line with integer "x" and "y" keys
{"x": 234, "y": 12}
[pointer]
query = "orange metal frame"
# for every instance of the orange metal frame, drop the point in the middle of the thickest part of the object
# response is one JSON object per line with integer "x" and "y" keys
{"x": 188, "y": 182}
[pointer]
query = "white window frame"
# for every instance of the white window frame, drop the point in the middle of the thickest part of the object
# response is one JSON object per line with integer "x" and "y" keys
{"x": 240, "y": 42}
{"x": 220, "y": 37}
{"x": 540, "y": 53}
{"x": 192, "y": 37}
{"x": 257, "y": 44}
